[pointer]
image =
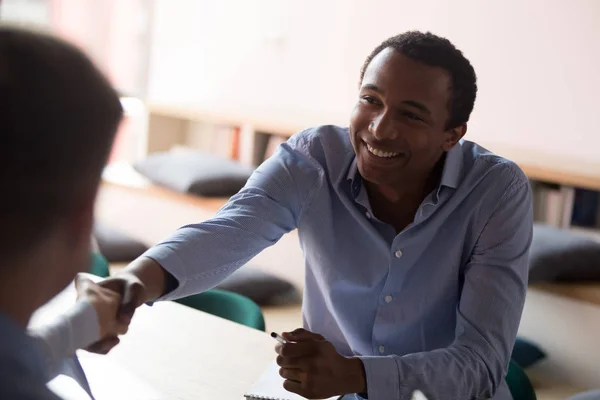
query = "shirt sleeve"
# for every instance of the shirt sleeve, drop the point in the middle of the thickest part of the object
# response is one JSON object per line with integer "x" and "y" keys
{"x": 488, "y": 316}
{"x": 201, "y": 255}
{"x": 58, "y": 340}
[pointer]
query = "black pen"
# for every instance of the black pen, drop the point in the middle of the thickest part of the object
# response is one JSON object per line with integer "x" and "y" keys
{"x": 278, "y": 338}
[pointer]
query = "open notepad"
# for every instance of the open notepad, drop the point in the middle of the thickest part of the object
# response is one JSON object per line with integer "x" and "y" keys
{"x": 270, "y": 387}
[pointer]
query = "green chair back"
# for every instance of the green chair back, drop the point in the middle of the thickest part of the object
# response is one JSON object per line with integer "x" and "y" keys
{"x": 228, "y": 305}
{"x": 99, "y": 265}
{"x": 518, "y": 383}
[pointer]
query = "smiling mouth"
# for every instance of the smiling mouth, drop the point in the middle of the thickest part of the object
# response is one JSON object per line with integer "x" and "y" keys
{"x": 381, "y": 153}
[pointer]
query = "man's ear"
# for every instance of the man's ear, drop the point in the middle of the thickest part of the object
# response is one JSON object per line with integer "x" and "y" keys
{"x": 81, "y": 218}
{"x": 452, "y": 136}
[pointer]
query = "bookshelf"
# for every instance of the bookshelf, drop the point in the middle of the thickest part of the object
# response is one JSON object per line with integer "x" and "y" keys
{"x": 566, "y": 207}
{"x": 565, "y": 190}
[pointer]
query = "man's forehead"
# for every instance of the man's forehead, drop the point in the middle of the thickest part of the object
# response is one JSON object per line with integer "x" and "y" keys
{"x": 392, "y": 71}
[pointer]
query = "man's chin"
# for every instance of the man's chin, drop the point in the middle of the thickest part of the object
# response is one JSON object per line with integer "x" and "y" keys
{"x": 385, "y": 173}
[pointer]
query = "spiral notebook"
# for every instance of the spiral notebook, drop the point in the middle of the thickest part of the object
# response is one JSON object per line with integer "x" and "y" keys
{"x": 270, "y": 387}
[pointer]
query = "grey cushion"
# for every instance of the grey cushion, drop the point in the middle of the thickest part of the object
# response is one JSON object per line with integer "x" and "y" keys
{"x": 115, "y": 245}
{"x": 262, "y": 287}
{"x": 560, "y": 255}
{"x": 195, "y": 172}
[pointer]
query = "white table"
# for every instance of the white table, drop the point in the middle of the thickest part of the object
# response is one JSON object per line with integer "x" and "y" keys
{"x": 174, "y": 352}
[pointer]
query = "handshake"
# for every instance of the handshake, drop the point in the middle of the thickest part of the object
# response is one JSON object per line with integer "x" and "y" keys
{"x": 115, "y": 300}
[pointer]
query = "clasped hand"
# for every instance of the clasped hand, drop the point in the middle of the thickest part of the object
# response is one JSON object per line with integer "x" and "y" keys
{"x": 313, "y": 368}
{"x": 115, "y": 300}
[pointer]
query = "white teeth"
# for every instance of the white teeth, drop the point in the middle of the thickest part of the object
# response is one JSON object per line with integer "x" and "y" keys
{"x": 380, "y": 153}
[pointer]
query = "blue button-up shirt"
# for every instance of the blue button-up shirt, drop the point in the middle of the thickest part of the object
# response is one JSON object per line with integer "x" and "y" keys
{"x": 22, "y": 375}
{"x": 435, "y": 307}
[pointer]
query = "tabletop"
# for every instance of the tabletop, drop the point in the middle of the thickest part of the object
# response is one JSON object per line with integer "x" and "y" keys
{"x": 174, "y": 352}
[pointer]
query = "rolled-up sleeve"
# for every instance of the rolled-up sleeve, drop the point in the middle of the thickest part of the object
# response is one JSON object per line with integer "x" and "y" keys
{"x": 201, "y": 255}
{"x": 488, "y": 316}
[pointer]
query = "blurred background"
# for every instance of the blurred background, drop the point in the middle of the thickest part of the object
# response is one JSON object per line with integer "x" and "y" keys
{"x": 292, "y": 64}
{"x": 217, "y": 85}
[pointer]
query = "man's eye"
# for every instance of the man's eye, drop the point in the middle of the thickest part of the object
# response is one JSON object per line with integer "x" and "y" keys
{"x": 369, "y": 99}
{"x": 412, "y": 116}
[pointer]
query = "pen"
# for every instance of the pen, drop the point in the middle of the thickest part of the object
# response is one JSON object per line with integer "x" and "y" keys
{"x": 278, "y": 338}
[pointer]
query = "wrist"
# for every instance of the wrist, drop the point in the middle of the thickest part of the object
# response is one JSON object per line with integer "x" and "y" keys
{"x": 151, "y": 275}
{"x": 356, "y": 378}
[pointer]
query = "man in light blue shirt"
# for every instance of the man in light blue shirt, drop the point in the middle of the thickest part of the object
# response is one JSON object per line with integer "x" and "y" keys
{"x": 415, "y": 241}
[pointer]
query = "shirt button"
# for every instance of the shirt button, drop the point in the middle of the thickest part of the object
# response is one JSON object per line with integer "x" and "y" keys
{"x": 398, "y": 254}
{"x": 368, "y": 215}
{"x": 388, "y": 299}
{"x": 381, "y": 349}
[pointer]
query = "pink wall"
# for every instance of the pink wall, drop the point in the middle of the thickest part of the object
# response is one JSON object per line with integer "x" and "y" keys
{"x": 298, "y": 61}
{"x": 111, "y": 32}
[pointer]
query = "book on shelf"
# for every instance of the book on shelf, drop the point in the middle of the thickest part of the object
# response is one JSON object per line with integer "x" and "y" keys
{"x": 565, "y": 206}
{"x": 552, "y": 204}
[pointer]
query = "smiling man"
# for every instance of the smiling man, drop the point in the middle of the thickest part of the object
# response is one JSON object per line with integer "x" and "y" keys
{"x": 416, "y": 241}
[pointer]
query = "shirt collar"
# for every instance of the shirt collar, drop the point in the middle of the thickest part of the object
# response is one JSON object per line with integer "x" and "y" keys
{"x": 453, "y": 165}
{"x": 451, "y": 174}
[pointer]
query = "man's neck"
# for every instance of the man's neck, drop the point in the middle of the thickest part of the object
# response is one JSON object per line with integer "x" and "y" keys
{"x": 17, "y": 299}
{"x": 411, "y": 189}
{"x": 398, "y": 204}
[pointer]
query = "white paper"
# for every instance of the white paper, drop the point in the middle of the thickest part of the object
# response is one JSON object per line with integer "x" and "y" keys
{"x": 270, "y": 386}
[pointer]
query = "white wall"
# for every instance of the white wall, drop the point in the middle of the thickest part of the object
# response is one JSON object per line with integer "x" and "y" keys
{"x": 298, "y": 61}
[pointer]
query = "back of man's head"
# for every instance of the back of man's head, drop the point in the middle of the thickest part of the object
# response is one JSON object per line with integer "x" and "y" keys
{"x": 58, "y": 118}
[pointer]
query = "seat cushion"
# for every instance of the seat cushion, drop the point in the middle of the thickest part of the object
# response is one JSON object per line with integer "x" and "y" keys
{"x": 115, "y": 245}
{"x": 263, "y": 288}
{"x": 194, "y": 172}
{"x": 561, "y": 255}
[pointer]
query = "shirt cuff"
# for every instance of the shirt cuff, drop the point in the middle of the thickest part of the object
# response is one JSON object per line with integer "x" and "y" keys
{"x": 170, "y": 261}
{"x": 57, "y": 340}
{"x": 382, "y": 377}
{"x": 84, "y": 323}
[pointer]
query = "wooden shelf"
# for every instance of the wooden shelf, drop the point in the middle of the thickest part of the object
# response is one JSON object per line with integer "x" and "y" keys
{"x": 538, "y": 166}
{"x": 559, "y": 170}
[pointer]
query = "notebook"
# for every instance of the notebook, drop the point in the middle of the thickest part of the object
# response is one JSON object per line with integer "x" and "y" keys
{"x": 270, "y": 387}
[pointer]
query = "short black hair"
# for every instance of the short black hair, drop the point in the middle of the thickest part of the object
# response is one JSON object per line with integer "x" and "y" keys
{"x": 437, "y": 51}
{"x": 58, "y": 119}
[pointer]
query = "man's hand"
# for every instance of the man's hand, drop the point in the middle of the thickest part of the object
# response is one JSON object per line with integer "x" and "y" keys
{"x": 131, "y": 293}
{"x": 106, "y": 303}
{"x": 314, "y": 369}
{"x": 143, "y": 280}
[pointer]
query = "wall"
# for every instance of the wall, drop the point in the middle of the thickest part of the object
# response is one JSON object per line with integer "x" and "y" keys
{"x": 298, "y": 61}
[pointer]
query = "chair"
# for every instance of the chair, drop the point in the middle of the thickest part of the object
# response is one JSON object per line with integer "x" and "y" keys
{"x": 99, "y": 265}
{"x": 518, "y": 383}
{"x": 228, "y": 305}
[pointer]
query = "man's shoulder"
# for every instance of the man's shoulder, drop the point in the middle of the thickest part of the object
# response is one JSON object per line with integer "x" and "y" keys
{"x": 19, "y": 374}
{"x": 328, "y": 145}
{"x": 16, "y": 384}
{"x": 330, "y": 138}
{"x": 489, "y": 167}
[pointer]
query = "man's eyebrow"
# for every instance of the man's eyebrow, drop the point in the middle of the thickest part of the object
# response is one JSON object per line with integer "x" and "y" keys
{"x": 372, "y": 87}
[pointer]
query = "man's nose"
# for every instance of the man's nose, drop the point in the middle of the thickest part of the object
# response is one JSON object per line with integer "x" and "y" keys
{"x": 382, "y": 127}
